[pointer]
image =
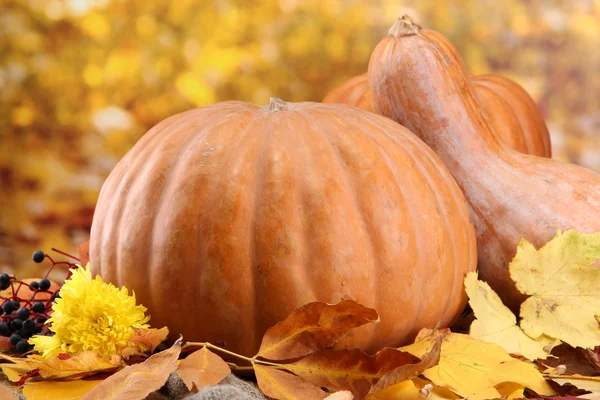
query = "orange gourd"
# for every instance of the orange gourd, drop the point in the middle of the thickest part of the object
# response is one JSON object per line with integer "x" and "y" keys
{"x": 226, "y": 218}
{"x": 513, "y": 114}
{"x": 512, "y": 111}
{"x": 419, "y": 80}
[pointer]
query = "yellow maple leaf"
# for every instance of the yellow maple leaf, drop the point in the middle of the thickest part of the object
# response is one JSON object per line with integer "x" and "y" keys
{"x": 475, "y": 369}
{"x": 564, "y": 288}
{"x": 495, "y": 322}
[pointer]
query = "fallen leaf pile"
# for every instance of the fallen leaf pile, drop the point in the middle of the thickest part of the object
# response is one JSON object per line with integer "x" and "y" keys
{"x": 560, "y": 324}
{"x": 552, "y": 352}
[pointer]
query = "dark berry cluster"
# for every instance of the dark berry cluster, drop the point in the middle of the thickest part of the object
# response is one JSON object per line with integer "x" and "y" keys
{"x": 25, "y": 306}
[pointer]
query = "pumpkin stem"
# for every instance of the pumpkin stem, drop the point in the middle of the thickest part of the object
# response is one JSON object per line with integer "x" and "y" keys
{"x": 404, "y": 26}
{"x": 276, "y": 105}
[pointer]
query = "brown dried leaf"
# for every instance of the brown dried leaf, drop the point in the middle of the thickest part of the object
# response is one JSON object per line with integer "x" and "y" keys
{"x": 137, "y": 381}
{"x": 313, "y": 327}
{"x": 351, "y": 370}
{"x": 409, "y": 371}
{"x": 145, "y": 341}
{"x": 282, "y": 385}
{"x": 203, "y": 368}
{"x": 576, "y": 360}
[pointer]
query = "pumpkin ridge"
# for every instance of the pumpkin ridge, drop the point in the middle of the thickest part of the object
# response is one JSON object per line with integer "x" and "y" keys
{"x": 350, "y": 181}
{"x": 414, "y": 141}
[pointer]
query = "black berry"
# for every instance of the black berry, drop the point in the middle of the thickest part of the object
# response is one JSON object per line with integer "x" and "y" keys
{"x": 16, "y": 324}
{"x": 22, "y": 347}
{"x": 35, "y": 285}
{"x": 1, "y": 311}
{"x": 4, "y": 329}
{"x": 16, "y": 305}
{"x": 23, "y": 313}
{"x": 8, "y": 307}
{"x": 38, "y": 307}
{"x": 38, "y": 256}
{"x": 14, "y": 339}
{"x": 4, "y": 281}
{"x": 24, "y": 334}
{"x": 40, "y": 320}
{"x": 29, "y": 326}
{"x": 44, "y": 285}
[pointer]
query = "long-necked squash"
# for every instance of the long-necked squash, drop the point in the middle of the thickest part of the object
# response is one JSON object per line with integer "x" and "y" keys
{"x": 419, "y": 80}
{"x": 513, "y": 113}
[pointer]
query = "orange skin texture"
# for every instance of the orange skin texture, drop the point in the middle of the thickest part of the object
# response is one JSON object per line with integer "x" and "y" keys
{"x": 224, "y": 219}
{"x": 512, "y": 112}
{"x": 420, "y": 81}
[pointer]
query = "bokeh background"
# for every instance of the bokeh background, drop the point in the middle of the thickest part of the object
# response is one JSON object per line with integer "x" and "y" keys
{"x": 82, "y": 80}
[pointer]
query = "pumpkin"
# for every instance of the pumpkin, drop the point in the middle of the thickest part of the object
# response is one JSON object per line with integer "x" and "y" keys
{"x": 419, "y": 80}
{"x": 226, "y": 218}
{"x": 355, "y": 92}
{"x": 513, "y": 113}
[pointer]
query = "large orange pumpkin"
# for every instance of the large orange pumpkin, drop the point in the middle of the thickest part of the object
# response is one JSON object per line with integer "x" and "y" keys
{"x": 512, "y": 112}
{"x": 224, "y": 219}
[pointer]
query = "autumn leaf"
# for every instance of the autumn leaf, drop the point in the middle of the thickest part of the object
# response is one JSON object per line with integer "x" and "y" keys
{"x": 406, "y": 390}
{"x": 283, "y": 385}
{"x": 78, "y": 366}
{"x": 14, "y": 368}
{"x": 313, "y": 327}
{"x": 59, "y": 390}
{"x": 472, "y": 368}
{"x": 351, "y": 369}
{"x": 562, "y": 283}
{"x": 202, "y": 368}
{"x": 589, "y": 383}
{"x": 145, "y": 340}
{"x": 495, "y": 322}
{"x": 137, "y": 381}
{"x": 574, "y": 360}
{"x": 409, "y": 371}
{"x": 7, "y": 394}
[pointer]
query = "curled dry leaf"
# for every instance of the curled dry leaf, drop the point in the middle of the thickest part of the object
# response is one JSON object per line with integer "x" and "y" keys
{"x": 137, "y": 381}
{"x": 351, "y": 370}
{"x": 562, "y": 281}
{"x": 283, "y": 385}
{"x": 145, "y": 341}
{"x": 472, "y": 368}
{"x": 495, "y": 322}
{"x": 574, "y": 360}
{"x": 313, "y": 327}
{"x": 202, "y": 368}
{"x": 410, "y": 371}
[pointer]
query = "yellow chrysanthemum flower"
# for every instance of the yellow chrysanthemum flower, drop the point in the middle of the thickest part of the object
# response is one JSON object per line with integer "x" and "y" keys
{"x": 90, "y": 315}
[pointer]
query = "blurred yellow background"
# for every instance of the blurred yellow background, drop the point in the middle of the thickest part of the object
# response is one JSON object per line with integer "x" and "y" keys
{"x": 82, "y": 80}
